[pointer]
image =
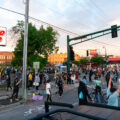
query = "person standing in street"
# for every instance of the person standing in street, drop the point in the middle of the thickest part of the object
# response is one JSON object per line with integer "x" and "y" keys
{"x": 107, "y": 77}
{"x": 16, "y": 89}
{"x": 37, "y": 81}
{"x": 48, "y": 91}
{"x": 90, "y": 75}
{"x": 60, "y": 86}
{"x": 98, "y": 91}
{"x": 8, "y": 82}
{"x": 83, "y": 93}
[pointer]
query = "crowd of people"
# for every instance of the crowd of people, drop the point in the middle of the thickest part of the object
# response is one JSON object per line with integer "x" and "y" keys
{"x": 84, "y": 77}
{"x": 97, "y": 77}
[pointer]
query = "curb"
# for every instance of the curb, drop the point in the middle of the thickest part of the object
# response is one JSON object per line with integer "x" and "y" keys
{"x": 4, "y": 97}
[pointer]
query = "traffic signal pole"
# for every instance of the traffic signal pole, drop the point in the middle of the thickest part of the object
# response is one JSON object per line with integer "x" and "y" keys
{"x": 68, "y": 55}
{"x": 85, "y": 36}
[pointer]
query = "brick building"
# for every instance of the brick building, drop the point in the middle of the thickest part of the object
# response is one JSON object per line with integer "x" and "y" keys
{"x": 60, "y": 58}
{"x": 6, "y": 57}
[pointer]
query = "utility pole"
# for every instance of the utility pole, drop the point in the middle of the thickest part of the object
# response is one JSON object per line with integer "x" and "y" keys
{"x": 25, "y": 50}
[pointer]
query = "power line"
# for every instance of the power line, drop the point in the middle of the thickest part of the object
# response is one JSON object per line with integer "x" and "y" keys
{"x": 53, "y": 25}
{"x": 100, "y": 18}
{"x": 105, "y": 43}
{"x": 51, "y": 9}
{"x": 40, "y": 21}
{"x": 102, "y": 12}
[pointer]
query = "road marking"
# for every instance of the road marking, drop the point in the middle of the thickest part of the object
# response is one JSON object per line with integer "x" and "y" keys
{"x": 75, "y": 104}
{"x": 34, "y": 109}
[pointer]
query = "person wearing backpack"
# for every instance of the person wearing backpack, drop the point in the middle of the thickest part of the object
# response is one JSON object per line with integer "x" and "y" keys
{"x": 83, "y": 93}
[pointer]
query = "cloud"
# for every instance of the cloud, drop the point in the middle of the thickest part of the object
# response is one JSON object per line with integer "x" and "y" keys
{"x": 78, "y": 16}
{"x": 115, "y": 22}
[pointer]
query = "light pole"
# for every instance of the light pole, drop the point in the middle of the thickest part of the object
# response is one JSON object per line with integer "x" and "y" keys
{"x": 105, "y": 55}
{"x": 105, "y": 52}
{"x": 25, "y": 49}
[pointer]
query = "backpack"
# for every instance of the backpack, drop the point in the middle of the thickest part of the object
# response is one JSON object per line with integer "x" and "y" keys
{"x": 81, "y": 96}
{"x": 30, "y": 77}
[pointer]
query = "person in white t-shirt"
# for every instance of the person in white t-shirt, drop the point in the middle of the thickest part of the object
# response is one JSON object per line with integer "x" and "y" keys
{"x": 48, "y": 91}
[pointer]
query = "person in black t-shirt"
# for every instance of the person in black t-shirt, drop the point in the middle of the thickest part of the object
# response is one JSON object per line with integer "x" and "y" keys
{"x": 60, "y": 86}
{"x": 15, "y": 88}
{"x": 8, "y": 82}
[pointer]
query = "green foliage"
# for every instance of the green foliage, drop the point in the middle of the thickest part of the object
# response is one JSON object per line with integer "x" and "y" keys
{"x": 76, "y": 62}
{"x": 83, "y": 61}
{"x": 41, "y": 43}
{"x": 97, "y": 60}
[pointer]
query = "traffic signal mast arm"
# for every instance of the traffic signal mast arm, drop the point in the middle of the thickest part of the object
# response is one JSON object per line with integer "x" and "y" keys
{"x": 113, "y": 29}
{"x": 90, "y": 34}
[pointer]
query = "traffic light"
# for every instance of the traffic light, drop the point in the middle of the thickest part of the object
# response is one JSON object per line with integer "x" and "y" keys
{"x": 87, "y": 53}
{"x": 114, "y": 31}
{"x": 71, "y": 53}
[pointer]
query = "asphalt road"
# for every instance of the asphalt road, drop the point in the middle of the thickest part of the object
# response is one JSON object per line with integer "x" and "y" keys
{"x": 31, "y": 109}
{"x": 26, "y": 111}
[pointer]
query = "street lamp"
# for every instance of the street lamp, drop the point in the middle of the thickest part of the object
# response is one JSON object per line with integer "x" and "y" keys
{"x": 105, "y": 52}
{"x": 25, "y": 50}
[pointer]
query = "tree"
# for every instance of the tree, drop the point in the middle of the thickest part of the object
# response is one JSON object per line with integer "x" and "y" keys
{"x": 97, "y": 60}
{"x": 76, "y": 62}
{"x": 41, "y": 43}
{"x": 83, "y": 61}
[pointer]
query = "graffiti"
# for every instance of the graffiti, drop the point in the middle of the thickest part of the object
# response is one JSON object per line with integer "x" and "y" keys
{"x": 33, "y": 109}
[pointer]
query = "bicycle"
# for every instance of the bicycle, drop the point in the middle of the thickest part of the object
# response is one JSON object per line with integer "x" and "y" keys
{"x": 92, "y": 95}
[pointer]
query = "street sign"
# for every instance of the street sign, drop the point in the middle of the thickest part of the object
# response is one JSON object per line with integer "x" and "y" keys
{"x": 3, "y": 34}
{"x": 36, "y": 65}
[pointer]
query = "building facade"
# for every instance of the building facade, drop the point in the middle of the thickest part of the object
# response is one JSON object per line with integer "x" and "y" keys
{"x": 60, "y": 58}
{"x": 6, "y": 58}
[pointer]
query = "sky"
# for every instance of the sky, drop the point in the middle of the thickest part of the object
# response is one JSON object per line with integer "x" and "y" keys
{"x": 78, "y": 16}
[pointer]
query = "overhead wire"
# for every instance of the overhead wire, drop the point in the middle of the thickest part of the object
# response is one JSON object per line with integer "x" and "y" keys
{"x": 40, "y": 21}
{"x": 101, "y": 10}
{"x": 61, "y": 14}
{"x": 102, "y": 19}
{"x": 53, "y": 25}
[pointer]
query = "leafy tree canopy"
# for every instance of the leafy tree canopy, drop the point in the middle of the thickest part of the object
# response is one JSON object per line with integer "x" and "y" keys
{"x": 41, "y": 43}
{"x": 76, "y": 62}
{"x": 97, "y": 60}
{"x": 83, "y": 61}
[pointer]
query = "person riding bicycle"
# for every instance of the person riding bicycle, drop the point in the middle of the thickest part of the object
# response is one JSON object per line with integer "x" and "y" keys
{"x": 112, "y": 94}
{"x": 98, "y": 89}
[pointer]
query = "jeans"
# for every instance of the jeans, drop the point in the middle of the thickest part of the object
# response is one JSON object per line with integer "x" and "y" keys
{"x": 98, "y": 91}
{"x": 100, "y": 95}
